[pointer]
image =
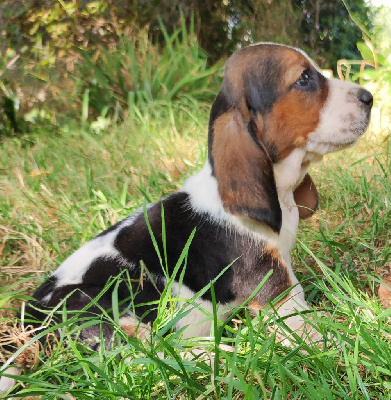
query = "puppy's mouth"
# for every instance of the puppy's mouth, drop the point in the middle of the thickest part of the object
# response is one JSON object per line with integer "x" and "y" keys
{"x": 344, "y": 138}
{"x": 322, "y": 147}
{"x": 339, "y": 143}
{"x": 358, "y": 128}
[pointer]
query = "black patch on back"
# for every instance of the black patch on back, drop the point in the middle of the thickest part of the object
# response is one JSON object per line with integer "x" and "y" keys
{"x": 213, "y": 248}
{"x": 101, "y": 269}
{"x": 46, "y": 288}
{"x": 110, "y": 229}
{"x": 135, "y": 244}
{"x": 32, "y": 311}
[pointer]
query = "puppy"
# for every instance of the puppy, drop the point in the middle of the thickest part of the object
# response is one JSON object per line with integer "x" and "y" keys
{"x": 274, "y": 115}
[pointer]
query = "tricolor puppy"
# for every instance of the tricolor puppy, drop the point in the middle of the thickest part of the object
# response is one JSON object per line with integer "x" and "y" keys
{"x": 274, "y": 115}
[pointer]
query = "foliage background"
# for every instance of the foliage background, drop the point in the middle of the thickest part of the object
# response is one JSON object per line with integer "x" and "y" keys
{"x": 50, "y": 48}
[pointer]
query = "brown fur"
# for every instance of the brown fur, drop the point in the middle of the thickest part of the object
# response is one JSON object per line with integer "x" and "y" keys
{"x": 243, "y": 170}
{"x": 269, "y": 258}
{"x": 136, "y": 329}
{"x": 255, "y": 306}
{"x": 306, "y": 197}
{"x": 292, "y": 119}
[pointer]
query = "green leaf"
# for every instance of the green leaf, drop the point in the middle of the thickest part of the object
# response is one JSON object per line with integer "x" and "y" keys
{"x": 366, "y": 52}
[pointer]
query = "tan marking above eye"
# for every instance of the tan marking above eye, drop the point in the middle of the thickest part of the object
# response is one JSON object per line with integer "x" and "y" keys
{"x": 295, "y": 64}
{"x": 293, "y": 74}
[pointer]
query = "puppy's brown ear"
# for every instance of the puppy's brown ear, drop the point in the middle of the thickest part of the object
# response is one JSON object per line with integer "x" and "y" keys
{"x": 306, "y": 197}
{"x": 243, "y": 170}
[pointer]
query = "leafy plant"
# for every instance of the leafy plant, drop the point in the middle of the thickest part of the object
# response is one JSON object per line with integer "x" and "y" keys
{"x": 9, "y": 100}
{"x": 381, "y": 71}
{"x": 140, "y": 71}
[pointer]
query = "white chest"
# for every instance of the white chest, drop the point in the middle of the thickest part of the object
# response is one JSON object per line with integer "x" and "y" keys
{"x": 287, "y": 236}
{"x": 288, "y": 174}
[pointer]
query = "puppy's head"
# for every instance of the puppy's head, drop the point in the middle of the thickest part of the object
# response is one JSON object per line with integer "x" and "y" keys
{"x": 273, "y": 100}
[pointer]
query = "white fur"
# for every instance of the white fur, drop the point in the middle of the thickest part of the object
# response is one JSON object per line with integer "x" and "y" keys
{"x": 204, "y": 194}
{"x": 342, "y": 119}
{"x": 72, "y": 270}
{"x": 288, "y": 175}
{"x": 199, "y": 320}
{"x": 294, "y": 303}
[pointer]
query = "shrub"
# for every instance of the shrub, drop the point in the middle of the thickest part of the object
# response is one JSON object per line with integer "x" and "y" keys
{"x": 138, "y": 70}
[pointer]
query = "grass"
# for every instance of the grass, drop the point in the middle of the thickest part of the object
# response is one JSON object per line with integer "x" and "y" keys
{"x": 59, "y": 191}
{"x": 142, "y": 71}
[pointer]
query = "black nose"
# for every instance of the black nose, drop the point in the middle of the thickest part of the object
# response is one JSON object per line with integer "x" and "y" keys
{"x": 366, "y": 97}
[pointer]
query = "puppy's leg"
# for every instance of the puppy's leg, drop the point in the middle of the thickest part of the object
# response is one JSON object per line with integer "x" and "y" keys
{"x": 290, "y": 309}
{"x": 133, "y": 327}
{"x": 294, "y": 304}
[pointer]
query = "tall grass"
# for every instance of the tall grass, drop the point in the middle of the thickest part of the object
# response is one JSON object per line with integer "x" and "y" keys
{"x": 99, "y": 84}
{"x": 58, "y": 192}
{"x": 138, "y": 70}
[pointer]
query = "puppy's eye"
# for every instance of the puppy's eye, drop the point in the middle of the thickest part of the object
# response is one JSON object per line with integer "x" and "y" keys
{"x": 304, "y": 79}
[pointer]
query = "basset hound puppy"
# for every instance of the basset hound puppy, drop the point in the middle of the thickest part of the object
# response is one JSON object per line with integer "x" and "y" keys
{"x": 274, "y": 115}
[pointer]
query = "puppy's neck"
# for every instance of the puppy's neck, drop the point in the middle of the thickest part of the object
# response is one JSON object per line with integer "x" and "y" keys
{"x": 204, "y": 194}
{"x": 290, "y": 172}
{"x": 205, "y": 198}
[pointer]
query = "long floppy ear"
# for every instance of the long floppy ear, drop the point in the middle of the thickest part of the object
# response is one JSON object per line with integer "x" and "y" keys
{"x": 306, "y": 197}
{"x": 243, "y": 170}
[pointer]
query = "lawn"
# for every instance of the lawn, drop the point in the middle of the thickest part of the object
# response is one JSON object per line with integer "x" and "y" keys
{"x": 58, "y": 190}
